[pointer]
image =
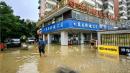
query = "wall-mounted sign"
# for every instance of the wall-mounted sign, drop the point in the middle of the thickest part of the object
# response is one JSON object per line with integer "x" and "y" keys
{"x": 112, "y": 50}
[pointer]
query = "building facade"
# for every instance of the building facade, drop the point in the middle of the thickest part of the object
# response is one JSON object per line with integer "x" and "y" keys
{"x": 128, "y": 9}
{"x": 76, "y": 21}
{"x": 123, "y": 9}
{"x": 45, "y": 6}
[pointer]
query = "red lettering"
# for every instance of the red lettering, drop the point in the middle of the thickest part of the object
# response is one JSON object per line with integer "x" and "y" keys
{"x": 105, "y": 15}
{"x": 83, "y": 7}
{"x": 94, "y": 11}
{"x": 97, "y": 14}
{"x": 90, "y": 10}
{"x": 109, "y": 16}
{"x": 71, "y": 4}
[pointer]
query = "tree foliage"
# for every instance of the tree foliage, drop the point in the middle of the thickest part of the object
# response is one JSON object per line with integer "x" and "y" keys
{"x": 12, "y": 26}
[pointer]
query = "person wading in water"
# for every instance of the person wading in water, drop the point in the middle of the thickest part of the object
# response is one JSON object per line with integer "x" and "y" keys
{"x": 41, "y": 46}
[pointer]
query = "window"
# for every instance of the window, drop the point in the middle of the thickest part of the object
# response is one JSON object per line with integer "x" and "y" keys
{"x": 54, "y": 0}
{"x": 105, "y": 6}
{"x": 100, "y": 6}
{"x": 110, "y": 7}
{"x": 59, "y": 18}
{"x": 76, "y": 15}
{"x": 128, "y": 9}
{"x": 91, "y": 19}
{"x": 82, "y": 16}
{"x": 49, "y": 5}
{"x": 128, "y": 13}
{"x": 85, "y": 17}
{"x": 123, "y": 8}
{"x": 100, "y": 21}
{"x": 96, "y": 19}
{"x": 122, "y": 2}
{"x": 123, "y": 14}
{"x": 128, "y": 4}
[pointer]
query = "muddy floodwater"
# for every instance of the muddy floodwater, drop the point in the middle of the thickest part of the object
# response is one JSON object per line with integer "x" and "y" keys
{"x": 62, "y": 59}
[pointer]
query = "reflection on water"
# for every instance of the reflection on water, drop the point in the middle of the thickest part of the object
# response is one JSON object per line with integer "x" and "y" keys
{"x": 65, "y": 70}
{"x": 62, "y": 59}
{"x": 114, "y": 58}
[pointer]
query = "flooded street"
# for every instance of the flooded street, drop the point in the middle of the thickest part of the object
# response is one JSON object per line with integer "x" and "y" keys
{"x": 62, "y": 59}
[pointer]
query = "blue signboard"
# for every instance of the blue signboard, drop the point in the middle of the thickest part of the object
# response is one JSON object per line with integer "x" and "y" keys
{"x": 105, "y": 27}
{"x": 124, "y": 50}
{"x": 72, "y": 24}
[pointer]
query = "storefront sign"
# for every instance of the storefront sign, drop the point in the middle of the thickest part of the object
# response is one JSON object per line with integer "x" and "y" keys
{"x": 72, "y": 24}
{"x": 112, "y": 50}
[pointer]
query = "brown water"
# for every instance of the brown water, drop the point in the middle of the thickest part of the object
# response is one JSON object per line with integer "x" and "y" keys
{"x": 62, "y": 59}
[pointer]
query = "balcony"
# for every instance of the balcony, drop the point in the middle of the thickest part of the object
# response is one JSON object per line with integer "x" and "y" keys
{"x": 90, "y": 2}
{"x": 65, "y": 5}
{"x": 128, "y": 5}
{"x": 128, "y": 15}
{"x": 99, "y": 9}
{"x": 51, "y": 2}
{"x": 128, "y": 10}
{"x": 69, "y": 4}
{"x": 123, "y": 5}
{"x": 123, "y": 11}
{"x": 99, "y": 2}
{"x": 123, "y": 17}
{"x": 128, "y": 0}
{"x": 109, "y": 11}
{"x": 48, "y": 9}
{"x": 57, "y": 7}
{"x": 109, "y": 2}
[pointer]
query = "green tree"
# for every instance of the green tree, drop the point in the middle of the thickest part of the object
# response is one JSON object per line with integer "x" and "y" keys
{"x": 12, "y": 26}
{"x": 7, "y": 21}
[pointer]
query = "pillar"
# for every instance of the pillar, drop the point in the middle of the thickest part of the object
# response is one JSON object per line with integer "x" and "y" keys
{"x": 64, "y": 38}
{"x": 43, "y": 37}
{"x": 82, "y": 38}
{"x": 91, "y": 35}
{"x": 99, "y": 38}
{"x": 49, "y": 38}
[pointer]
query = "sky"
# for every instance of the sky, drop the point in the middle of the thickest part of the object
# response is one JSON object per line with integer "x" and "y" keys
{"x": 26, "y": 9}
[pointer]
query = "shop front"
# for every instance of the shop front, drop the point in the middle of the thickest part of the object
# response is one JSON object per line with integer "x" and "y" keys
{"x": 71, "y": 32}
